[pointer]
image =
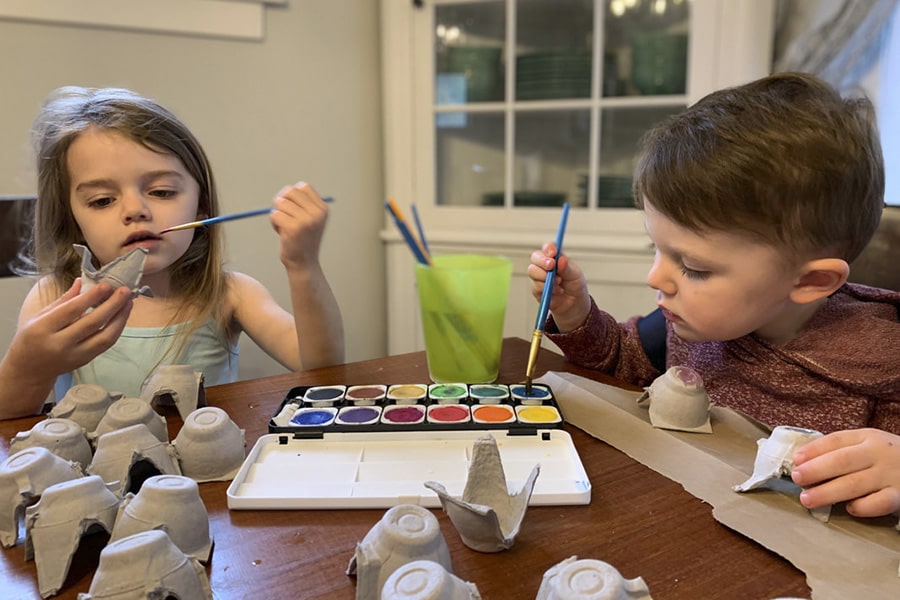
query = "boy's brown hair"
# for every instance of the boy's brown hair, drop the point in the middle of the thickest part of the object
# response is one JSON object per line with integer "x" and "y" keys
{"x": 784, "y": 160}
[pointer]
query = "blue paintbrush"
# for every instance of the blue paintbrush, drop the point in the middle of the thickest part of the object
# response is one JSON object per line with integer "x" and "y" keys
{"x": 544, "y": 306}
{"x": 222, "y": 218}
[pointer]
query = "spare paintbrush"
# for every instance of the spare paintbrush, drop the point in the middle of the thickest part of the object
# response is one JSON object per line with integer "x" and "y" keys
{"x": 544, "y": 305}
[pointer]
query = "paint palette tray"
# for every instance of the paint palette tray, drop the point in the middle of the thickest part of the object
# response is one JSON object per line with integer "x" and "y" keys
{"x": 380, "y": 469}
{"x": 313, "y": 411}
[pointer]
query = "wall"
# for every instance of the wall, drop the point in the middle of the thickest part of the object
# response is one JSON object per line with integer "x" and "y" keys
{"x": 302, "y": 104}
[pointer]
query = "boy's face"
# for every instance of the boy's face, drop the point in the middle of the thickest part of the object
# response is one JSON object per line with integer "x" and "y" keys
{"x": 122, "y": 193}
{"x": 718, "y": 286}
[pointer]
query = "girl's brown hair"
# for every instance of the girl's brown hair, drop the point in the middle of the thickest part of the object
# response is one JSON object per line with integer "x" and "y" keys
{"x": 197, "y": 277}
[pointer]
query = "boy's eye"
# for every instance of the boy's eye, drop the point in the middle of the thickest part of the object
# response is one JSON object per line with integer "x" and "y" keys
{"x": 693, "y": 274}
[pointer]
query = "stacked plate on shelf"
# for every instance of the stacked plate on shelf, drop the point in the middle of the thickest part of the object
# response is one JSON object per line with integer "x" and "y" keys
{"x": 553, "y": 74}
{"x": 525, "y": 199}
{"x": 612, "y": 191}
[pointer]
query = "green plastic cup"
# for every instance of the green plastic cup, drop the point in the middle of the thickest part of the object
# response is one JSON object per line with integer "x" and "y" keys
{"x": 462, "y": 299}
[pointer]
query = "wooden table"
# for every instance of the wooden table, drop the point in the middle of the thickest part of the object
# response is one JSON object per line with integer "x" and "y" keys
{"x": 638, "y": 521}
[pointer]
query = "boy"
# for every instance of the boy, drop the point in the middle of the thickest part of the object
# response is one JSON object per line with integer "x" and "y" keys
{"x": 757, "y": 198}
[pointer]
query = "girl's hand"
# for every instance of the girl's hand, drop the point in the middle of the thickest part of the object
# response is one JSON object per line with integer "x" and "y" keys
{"x": 299, "y": 220}
{"x": 570, "y": 302}
{"x": 64, "y": 336}
{"x": 860, "y": 466}
{"x": 56, "y": 339}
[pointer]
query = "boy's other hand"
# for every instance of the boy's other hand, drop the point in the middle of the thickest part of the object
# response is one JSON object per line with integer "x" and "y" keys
{"x": 859, "y": 466}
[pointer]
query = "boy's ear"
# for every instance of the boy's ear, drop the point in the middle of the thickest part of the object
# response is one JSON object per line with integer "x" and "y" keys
{"x": 819, "y": 279}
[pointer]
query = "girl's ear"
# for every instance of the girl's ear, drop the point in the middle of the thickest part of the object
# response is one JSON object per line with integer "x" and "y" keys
{"x": 819, "y": 279}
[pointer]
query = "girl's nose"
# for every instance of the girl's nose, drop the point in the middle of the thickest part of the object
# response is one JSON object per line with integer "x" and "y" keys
{"x": 659, "y": 276}
{"x": 134, "y": 207}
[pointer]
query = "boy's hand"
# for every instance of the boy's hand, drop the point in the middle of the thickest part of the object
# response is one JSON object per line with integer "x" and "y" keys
{"x": 63, "y": 336}
{"x": 860, "y": 466}
{"x": 299, "y": 220}
{"x": 570, "y": 302}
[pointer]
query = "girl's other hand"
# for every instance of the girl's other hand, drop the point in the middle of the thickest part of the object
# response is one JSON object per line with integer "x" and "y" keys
{"x": 299, "y": 220}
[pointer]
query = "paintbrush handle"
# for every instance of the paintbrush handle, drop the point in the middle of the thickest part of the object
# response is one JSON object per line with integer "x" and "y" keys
{"x": 232, "y": 217}
{"x": 544, "y": 305}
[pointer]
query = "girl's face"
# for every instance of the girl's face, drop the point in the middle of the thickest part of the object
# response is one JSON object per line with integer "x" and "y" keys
{"x": 718, "y": 286}
{"x": 122, "y": 194}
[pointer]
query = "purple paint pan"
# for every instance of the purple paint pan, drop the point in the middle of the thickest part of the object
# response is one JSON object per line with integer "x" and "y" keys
{"x": 358, "y": 415}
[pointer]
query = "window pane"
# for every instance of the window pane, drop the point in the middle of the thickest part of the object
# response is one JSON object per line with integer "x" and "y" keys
{"x": 645, "y": 47}
{"x": 468, "y": 47}
{"x": 620, "y": 132}
{"x": 553, "y": 54}
{"x": 551, "y": 158}
{"x": 469, "y": 158}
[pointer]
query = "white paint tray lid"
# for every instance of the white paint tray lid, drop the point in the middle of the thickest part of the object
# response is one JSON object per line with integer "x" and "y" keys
{"x": 384, "y": 469}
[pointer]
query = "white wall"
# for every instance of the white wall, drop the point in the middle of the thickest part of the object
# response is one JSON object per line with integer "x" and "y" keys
{"x": 302, "y": 104}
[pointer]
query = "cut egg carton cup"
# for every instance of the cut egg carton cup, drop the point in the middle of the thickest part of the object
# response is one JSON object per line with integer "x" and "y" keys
{"x": 147, "y": 565}
{"x": 56, "y": 523}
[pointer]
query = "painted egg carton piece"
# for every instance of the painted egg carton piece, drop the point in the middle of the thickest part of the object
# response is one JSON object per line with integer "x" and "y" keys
{"x": 487, "y": 516}
{"x": 389, "y": 407}
{"x": 677, "y": 400}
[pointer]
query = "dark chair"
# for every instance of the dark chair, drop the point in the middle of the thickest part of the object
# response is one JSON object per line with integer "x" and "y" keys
{"x": 879, "y": 263}
{"x": 14, "y": 215}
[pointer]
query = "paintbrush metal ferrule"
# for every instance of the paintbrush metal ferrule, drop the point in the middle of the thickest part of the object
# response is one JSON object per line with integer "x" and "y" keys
{"x": 532, "y": 358}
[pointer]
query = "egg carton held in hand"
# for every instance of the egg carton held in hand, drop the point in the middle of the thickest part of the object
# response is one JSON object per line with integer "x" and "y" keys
{"x": 125, "y": 271}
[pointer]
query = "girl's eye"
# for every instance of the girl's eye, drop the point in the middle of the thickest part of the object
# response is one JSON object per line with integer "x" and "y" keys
{"x": 164, "y": 193}
{"x": 692, "y": 274}
{"x": 100, "y": 202}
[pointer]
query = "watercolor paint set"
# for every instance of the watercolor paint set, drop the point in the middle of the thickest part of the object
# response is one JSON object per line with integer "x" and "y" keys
{"x": 375, "y": 445}
{"x": 315, "y": 410}
{"x": 381, "y": 469}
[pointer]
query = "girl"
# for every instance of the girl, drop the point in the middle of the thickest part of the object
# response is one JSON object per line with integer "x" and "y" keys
{"x": 115, "y": 169}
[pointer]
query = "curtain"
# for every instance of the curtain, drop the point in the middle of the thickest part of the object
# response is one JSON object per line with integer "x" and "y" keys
{"x": 842, "y": 47}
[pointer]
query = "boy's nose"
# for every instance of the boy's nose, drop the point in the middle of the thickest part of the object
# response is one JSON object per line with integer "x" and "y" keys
{"x": 658, "y": 276}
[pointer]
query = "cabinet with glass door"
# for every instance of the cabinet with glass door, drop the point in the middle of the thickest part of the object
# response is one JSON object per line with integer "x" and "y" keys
{"x": 499, "y": 111}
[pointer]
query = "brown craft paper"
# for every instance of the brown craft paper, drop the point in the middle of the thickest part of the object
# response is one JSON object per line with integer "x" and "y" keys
{"x": 843, "y": 558}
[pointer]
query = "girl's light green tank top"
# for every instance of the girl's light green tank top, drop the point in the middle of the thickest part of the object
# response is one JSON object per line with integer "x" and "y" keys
{"x": 139, "y": 350}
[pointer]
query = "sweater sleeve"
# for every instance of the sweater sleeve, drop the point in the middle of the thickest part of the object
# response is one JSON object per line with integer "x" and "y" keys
{"x": 605, "y": 345}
